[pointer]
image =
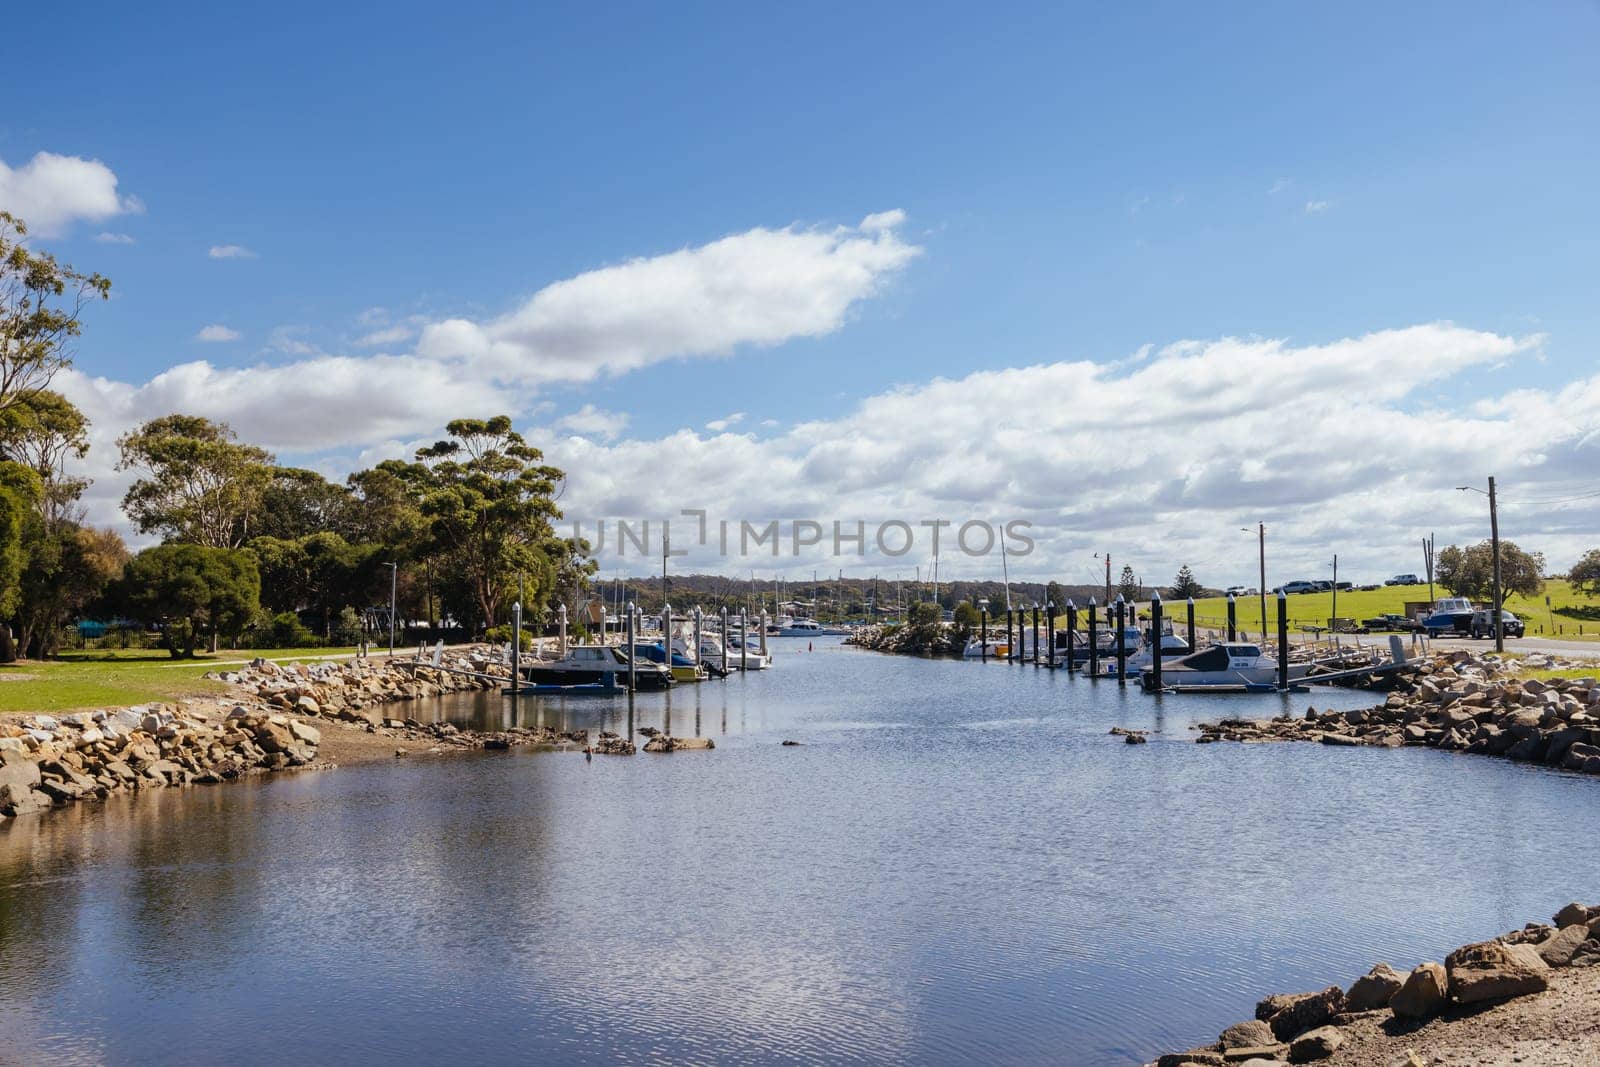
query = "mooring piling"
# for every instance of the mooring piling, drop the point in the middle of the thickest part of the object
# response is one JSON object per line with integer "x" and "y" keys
{"x": 1072, "y": 637}
{"x": 1233, "y": 625}
{"x": 983, "y": 634}
{"x": 1050, "y": 632}
{"x": 631, "y": 613}
{"x": 1191, "y": 624}
{"x": 1283, "y": 640}
{"x": 1122, "y": 646}
{"x": 1155, "y": 640}
{"x": 1094, "y": 642}
{"x": 1036, "y": 635}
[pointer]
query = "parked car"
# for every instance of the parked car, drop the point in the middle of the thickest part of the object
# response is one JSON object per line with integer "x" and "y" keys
{"x": 1391, "y": 621}
{"x": 1291, "y": 588}
{"x": 1404, "y": 579}
{"x": 1483, "y": 624}
{"x": 1344, "y": 587}
{"x": 1238, "y": 590}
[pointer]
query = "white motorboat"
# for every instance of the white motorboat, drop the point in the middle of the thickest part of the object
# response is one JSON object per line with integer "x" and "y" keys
{"x": 1452, "y": 615}
{"x": 1236, "y": 664}
{"x": 788, "y": 627}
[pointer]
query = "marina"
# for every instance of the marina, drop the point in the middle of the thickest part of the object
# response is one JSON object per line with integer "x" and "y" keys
{"x": 949, "y": 849}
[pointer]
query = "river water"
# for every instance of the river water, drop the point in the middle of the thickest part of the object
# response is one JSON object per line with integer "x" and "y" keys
{"x": 956, "y": 865}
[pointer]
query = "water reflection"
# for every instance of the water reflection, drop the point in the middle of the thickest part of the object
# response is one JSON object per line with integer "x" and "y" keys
{"x": 957, "y": 865}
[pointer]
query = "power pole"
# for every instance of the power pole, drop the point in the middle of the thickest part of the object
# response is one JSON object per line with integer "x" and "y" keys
{"x": 1427, "y": 559}
{"x": 1494, "y": 542}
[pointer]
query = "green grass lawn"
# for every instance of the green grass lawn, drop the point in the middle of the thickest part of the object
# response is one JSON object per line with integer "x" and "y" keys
{"x": 102, "y": 678}
{"x": 1316, "y": 608}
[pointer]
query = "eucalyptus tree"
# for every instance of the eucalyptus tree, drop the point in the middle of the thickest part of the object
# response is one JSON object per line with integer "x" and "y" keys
{"x": 200, "y": 484}
{"x": 41, "y": 302}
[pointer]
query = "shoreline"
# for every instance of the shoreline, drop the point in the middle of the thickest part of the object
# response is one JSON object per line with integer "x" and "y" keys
{"x": 1529, "y": 996}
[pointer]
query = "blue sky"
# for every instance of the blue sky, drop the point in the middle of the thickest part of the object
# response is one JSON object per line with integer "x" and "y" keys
{"x": 1078, "y": 182}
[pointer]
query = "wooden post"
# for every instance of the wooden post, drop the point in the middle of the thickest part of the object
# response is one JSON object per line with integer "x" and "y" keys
{"x": 1283, "y": 640}
{"x": 1122, "y": 648}
{"x": 666, "y": 636}
{"x": 1050, "y": 632}
{"x": 1155, "y": 642}
{"x": 1011, "y": 646}
{"x": 1094, "y": 643}
{"x": 631, "y": 678}
{"x": 1233, "y": 627}
{"x": 1191, "y": 624}
{"x": 516, "y": 648}
{"x": 744, "y": 642}
{"x": 727, "y": 660}
{"x": 983, "y": 635}
{"x": 1072, "y": 637}
{"x": 1036, "y": 635}
{"x": 561, "y": 617}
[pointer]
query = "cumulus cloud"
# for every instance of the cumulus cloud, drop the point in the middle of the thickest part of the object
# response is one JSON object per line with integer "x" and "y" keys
{"x": 1160, "y": 460}
{"x": 230, "y": 252}
{"x": 388, "y": 335}
{"x": 217, "y": 332}
{"x": 724, "y": 423}
{"x": 51, "y": 192}
{"x": 590, "y": 421}
{"x": 761, "y": 287}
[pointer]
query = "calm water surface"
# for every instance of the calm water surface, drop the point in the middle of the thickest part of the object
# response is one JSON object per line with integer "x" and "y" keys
{"x": 957, "y": 865}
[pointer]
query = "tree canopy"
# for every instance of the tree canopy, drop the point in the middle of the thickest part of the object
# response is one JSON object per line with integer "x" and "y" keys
{"x": 195, "y": 590}
{"x": 40, "y": 304}
{"x": 1469, "y": 572}
{"x": 1585, "y": 574}
{"x": 1185, "y": 585}
{"x": 200, "y": 484}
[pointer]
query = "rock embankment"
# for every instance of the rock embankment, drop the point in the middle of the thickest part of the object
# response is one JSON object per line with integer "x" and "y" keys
{"x": 1308, "y": 1027}
{"x": 349, "y": 689}
{"x": 1458, "y": 702}
{"x": 47, "y": 761}
{"x": 927, "y": 640}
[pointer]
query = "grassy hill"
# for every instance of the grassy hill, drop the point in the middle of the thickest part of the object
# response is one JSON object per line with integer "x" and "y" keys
{"x": 1570, "y": 613}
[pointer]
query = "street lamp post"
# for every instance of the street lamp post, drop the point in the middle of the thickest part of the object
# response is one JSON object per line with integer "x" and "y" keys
{"x": 1494, "y": 548}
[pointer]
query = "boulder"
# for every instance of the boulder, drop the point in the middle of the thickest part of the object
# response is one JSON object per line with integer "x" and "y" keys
{"x": 1588, "y": 954}
{"x": 1373, "y": 989}
{"x": 1246, "y": 1034}
{"x": 663, "y": 743}
{"x": 16, "y": 769}
{"x": 1493, "y": 970}
{"x": 22, "y": 800}
{"x": 305, "y": 732}
{"x": 307, "y": 706}
{"x": 1559, "y": 949}
{"x": 1298, "y": 1012}
{"x": 1422, "y": 994}
{"x": 1316, "y": 1044}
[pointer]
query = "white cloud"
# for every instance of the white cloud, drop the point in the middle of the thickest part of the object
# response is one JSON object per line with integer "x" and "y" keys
{"x": 217, "y": 333}
{"x": 1161, "y": 459}
{"x": 230, "y": 252}
{"x": 1279, "y": 186}
{"x": 114, "y": 239}
{"x": 1316, "y": 207}
{"x": 590, "y": 421}
{"x": 719, "y": 425}
{"x": 761, "y": 287}
{"x": 51, "y": 192}
{"x": 388, "y": 335}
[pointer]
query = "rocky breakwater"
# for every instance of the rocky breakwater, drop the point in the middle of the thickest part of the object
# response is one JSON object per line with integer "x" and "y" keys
{"x": 942, "y": 639}
{"x": 47, "y": 761}
{"x": 1459, "y": 702}
{"x": 351, "y": 689}
{"x": 1386, "y": 1014}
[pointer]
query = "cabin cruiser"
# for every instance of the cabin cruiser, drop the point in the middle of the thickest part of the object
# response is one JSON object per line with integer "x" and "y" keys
{"x": 788, "y": 627}
{"x": 600, "y": 667}
{"x": 1228, "y": 663}
{"x": 975, "y": 648}
{"x": 1452, "y": 615}
{"x": 713, "y": 654}
{"x": 684, "y": 669}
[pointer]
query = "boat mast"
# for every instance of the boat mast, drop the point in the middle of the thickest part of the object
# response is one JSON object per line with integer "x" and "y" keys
{"x": 1005, "y": 577}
